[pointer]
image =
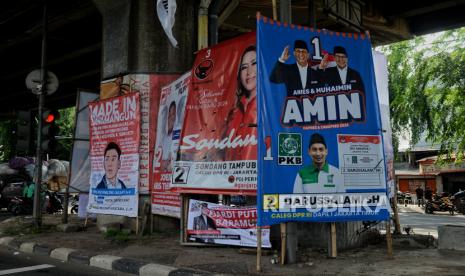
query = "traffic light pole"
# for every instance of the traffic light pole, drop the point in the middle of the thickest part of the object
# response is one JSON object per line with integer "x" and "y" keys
{"x": 37, "y": 212}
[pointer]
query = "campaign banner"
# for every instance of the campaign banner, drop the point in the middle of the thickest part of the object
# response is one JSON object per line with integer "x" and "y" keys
{"x": 219, "y": 224}
{"x": 114, "y": 126}
{"x": 170, "y": 118}
{"x": 320, "y": 148}
{"x": 218, "y": 148}
{"x": 148, "y": 86}
{"x": 381, "y": 74}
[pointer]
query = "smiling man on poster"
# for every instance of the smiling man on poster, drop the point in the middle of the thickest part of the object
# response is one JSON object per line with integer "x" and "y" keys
{"x": 298, "y": 76}
{"x": 319, "y": 176}
{"x": 320, "y": 137}
{"x": 341, "y": 73}
{"x": 112, "y": 164}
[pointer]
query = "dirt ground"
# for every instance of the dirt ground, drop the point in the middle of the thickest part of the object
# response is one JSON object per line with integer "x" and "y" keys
{"x": 165, "y": 248}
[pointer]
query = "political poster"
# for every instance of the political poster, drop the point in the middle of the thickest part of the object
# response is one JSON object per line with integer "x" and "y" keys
{"x": 381, "y": 74}
{"x": 80, "y": 164}
{"x": 320, "y": 144}
{"x": 170, "y": 118}
{"x": 218, "y": 147}
{"x": 148, "y": 86}
{"x": 219, "y": 224}
{"x": 114, "y": 126}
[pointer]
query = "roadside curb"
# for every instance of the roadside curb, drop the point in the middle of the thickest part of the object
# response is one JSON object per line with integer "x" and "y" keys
{"x": 108, "y": 262}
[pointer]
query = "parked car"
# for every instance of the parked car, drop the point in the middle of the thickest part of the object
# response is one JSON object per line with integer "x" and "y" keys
{"x": 11, "y": 185}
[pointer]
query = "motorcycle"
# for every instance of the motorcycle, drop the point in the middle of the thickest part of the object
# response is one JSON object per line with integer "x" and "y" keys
{"x": 443, "y": 204}
{"x": 20, "y": 206}
{"x": 53, "y": 202}
{"x": 74, "y": 204}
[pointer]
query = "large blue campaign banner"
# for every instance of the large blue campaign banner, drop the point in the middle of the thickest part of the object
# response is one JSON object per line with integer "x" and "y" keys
{"x": 320, "y": 145}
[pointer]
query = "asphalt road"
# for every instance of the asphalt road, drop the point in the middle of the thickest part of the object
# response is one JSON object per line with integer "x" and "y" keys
{"x": 426, "y": 223}
{"x": 18, "y": 263}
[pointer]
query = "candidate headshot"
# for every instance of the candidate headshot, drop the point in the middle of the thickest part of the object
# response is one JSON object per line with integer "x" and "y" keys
{"x": 111, "y": 164}
{"x": 319, "y": 176}
{"x": 204, "y": 222}
{"x": 167, "y": 139}
{"x": 171, "y": 118}
{"x": 297, "y": 77}
{"x": 341, "y": 73}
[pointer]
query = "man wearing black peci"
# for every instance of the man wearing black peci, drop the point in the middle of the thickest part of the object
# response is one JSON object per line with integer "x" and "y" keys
{"x": 341, "y": 73}
{"x": 298, "y": 77}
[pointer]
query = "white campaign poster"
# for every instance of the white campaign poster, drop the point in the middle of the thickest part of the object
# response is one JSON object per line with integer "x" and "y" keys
{"x": 170, "y": 119}
{"x": 219, "y": 224}
{"x": 361, "y": 161}
{"x": 381, "y": 74}
{"x": 114, "y": 126}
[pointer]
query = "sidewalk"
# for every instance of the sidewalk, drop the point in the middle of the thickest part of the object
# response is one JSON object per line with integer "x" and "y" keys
{"x": 161, "y": 254}
{"x": 411, "y": 208}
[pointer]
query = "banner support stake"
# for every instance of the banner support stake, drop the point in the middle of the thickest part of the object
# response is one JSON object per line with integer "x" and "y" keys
{"x": 283, "y": 242}
{"x": 259, "y": 248}
{"x": 389, "y": 240}
{"x": 333, "y": 241}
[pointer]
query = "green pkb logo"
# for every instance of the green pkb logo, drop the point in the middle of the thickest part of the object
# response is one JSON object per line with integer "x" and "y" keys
{"x": 290, "y": 149}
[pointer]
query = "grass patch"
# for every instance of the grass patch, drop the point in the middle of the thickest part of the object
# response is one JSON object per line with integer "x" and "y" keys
{"x": 27, "y": 229}
{"x": 119, "y": 236}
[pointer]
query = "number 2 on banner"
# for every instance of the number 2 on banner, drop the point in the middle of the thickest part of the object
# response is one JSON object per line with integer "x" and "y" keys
{"x": 180, "y": 175}
{"x": 157, "y": 163}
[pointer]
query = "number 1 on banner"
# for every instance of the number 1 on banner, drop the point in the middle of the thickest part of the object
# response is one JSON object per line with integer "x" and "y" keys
{"x": 268, "y": 148}
{"x": 316, "y": 48}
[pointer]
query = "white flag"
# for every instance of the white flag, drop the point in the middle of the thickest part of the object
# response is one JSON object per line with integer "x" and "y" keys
{"x": 166, "y": 10}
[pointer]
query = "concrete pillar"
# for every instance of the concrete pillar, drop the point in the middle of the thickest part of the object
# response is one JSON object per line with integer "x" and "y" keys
{"x": 134, "y": 42}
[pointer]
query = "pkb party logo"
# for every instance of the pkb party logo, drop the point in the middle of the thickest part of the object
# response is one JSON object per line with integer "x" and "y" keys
{"x": 290, "y": 149}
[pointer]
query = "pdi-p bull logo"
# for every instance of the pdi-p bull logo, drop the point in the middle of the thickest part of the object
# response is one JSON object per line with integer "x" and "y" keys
{"x": 204, "y": 69}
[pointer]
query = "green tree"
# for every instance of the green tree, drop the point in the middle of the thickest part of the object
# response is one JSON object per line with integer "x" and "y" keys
{"x": 427, "y": 89}
{"x": 66, "y": 125}
{"x": 7, "y": 139}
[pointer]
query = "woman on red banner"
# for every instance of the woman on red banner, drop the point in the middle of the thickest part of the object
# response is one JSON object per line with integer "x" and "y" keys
{"x": 243, "y": 118}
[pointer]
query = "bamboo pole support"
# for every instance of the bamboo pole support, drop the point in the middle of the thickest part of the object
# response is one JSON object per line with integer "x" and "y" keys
{"x": 283, "y": 229}
{"x": 259, "y": 249}
{"x": 333, "y": 240}
{"x": 389, "y": 240}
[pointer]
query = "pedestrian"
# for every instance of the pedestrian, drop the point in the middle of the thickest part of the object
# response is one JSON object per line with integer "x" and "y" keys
{"x": 428, "y": 194}
{"x": 419, "y": 192}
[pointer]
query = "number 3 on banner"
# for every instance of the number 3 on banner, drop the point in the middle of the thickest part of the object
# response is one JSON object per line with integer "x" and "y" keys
{"x": 180, "y": 175}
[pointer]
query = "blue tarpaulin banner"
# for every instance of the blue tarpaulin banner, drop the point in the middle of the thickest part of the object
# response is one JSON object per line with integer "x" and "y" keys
{"x": 320, "y": 147}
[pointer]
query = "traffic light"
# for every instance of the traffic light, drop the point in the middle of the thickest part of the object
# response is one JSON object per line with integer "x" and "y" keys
{"x": 23, "y": 132}
{"x": 49, "y": 130}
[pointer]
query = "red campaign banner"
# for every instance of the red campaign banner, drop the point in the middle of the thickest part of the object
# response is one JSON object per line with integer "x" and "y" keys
{"x": 156, "y": 84}
{"x": 114, "y": 127}
{"x": 148, "y": 86}
{"x": 218, "y": 148}
{"x": 170, "y": 118}
{"x": 372, "y": 139}
{"x": 234, "y": 218}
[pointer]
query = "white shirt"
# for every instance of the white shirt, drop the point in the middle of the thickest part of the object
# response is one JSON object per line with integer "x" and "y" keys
{"x": 319, "y": 188}
{"x": 303, "y": 74}
{"x": 167, "y": 143}
{"x": 342, "y": 74}
{"x": 113, "y": 185}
